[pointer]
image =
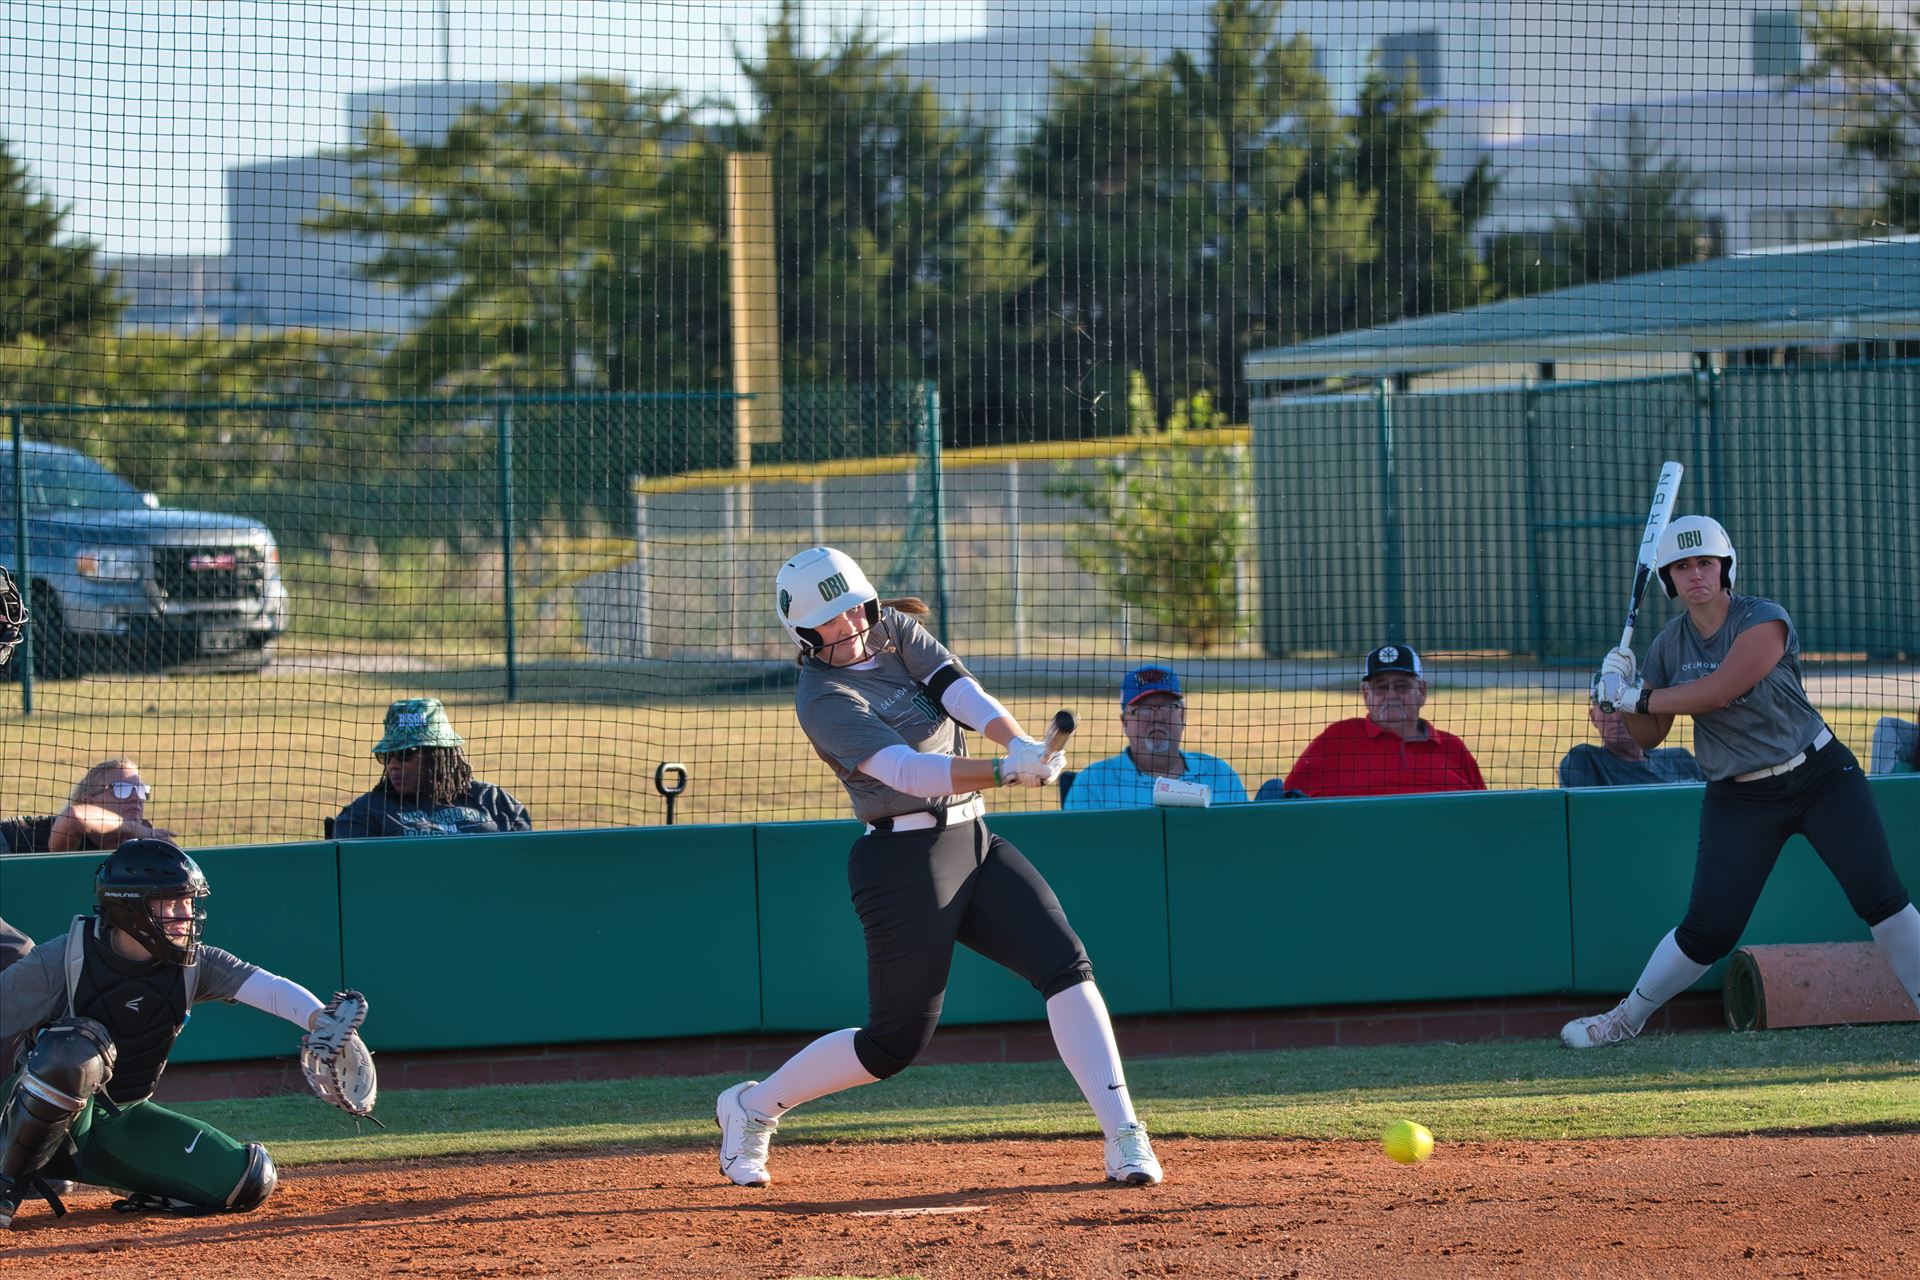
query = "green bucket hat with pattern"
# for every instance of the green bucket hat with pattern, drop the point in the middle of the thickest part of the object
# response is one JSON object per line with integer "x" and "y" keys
{"x": 417, "y": 722}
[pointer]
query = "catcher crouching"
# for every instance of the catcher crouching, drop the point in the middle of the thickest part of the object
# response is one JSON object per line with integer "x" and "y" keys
{"x": 104, "y": 1004}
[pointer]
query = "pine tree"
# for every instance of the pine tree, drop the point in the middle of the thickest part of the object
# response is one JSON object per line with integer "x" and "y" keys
{"x": 51, "y": 286}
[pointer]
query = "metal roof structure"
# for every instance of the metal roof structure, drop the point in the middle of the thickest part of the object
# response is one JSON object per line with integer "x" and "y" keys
{"x": 1844, "y": 291}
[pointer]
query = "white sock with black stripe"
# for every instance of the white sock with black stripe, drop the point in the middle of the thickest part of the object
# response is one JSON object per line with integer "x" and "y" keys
{"x": 826, "y": 1066}
{"x": 1899, "y": 939}
{"x": 1669, "y": 971}
{"x": 1084, "y": 1035}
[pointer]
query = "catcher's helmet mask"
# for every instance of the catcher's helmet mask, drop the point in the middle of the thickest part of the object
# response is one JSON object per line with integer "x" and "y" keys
{"x": 13, "y": 616}
{"x": 137, "y": 874}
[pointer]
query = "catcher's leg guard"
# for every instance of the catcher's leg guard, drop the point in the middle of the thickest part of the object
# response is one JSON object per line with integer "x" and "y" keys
{"x": 257, "y": 1183}
{"x": 66, "y": 1066}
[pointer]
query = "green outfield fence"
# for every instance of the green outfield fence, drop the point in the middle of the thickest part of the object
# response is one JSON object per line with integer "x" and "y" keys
{"x": 501, "y": 353}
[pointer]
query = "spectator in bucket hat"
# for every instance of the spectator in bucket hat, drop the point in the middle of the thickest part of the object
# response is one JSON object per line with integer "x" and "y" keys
{"x": 427, "y": 787}
{"x": 1391, "y": 750}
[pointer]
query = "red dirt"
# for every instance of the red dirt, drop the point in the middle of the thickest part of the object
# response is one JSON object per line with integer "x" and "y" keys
{"x": 1777, "y": 1206}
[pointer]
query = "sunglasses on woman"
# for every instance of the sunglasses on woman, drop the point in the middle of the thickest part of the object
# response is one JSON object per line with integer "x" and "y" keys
{"x": 127, "y": 790}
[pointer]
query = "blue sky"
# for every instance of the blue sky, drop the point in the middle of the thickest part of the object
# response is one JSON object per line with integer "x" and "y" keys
{"x": 130, "y": 112}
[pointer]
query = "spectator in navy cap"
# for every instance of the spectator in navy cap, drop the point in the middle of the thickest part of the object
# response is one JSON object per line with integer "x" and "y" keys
{"x": 1391, "y": 750}
{"x": 1153, "y": 715}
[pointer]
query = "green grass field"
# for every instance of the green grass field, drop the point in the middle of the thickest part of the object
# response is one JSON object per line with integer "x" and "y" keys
{"x": 1837, "y": 1079}
{"x": 243, "y": 758}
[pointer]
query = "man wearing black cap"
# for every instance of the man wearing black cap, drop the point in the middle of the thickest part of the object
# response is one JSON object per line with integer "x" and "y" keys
{"x": 1390, "y": 750}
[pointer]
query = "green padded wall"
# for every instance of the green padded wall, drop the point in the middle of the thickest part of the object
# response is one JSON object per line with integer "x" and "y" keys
{"x": 1354, "y": 901}
{"x": 277, "y": 906}
{"x": 1106, "y": 868}
{"x": 1632, "y": 854}
{"x": 584, "y": 935}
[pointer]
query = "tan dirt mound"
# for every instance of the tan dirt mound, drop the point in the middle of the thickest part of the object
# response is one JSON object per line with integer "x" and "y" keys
{"x": 1774, "y": 1206}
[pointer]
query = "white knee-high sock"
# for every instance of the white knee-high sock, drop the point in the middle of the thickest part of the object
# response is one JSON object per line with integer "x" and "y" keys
{"x": 826, "y": 1066}
{"x": 1899, "y": 938}
{"x": 1669, "y": 971}
{"x": 1084, "y": 1036}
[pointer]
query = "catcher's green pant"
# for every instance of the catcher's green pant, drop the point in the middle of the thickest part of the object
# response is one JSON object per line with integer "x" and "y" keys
{"x": 149, "y": 1148}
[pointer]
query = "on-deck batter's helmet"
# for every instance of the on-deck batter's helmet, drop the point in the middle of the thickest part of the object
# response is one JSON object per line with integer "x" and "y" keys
{"x": 1694, "y": 536}
{"x": 817, "y": 585}
{"x": 128, "y": 882}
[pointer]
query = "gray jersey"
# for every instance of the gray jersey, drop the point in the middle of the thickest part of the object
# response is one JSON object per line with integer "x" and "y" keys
{"x": 850, "y": 714}
{"x": 33, "y": 991}
{"x": 1764, "y": 726}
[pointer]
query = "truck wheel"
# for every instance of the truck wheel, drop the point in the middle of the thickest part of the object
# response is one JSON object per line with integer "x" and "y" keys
{"x": 56, "y": 654}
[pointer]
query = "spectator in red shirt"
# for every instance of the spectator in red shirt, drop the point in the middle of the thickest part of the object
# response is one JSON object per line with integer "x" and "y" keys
{"x": 1390, "y": 750}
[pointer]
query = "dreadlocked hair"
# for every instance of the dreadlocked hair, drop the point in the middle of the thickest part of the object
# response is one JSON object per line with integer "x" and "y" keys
{"x": 445, "y": 775}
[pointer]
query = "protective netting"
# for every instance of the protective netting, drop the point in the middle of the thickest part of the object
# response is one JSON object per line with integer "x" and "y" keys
{"x": 500, "y": 353}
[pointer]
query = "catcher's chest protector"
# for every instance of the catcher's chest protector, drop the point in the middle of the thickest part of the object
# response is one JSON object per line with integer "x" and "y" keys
{"x": 142, "y": 1010}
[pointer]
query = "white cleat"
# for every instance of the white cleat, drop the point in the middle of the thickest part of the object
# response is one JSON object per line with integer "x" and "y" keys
{"x": 1130, "y": 1157}
{"x": 743, "y": 1138}
{"x": 1606, "y": 1028}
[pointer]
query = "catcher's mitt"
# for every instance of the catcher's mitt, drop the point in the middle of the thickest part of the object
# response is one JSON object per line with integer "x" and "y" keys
{"x": 13, "y": 616}
{"x": 338, "y": 1065}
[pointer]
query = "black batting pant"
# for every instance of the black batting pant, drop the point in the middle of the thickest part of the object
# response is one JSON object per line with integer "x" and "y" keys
{"x": 1744, "y": 825}
{"x": 918, "y": 893}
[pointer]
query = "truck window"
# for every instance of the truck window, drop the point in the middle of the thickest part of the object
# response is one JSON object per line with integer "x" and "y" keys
{"x": 67, "y": 480}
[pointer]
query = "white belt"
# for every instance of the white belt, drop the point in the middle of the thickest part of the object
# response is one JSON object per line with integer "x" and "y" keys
{"x": 1788, "y": 766}
{"x": 967, "y": 812}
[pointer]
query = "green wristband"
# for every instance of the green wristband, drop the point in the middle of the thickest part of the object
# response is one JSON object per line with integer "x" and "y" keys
{"x": 996, "y": 771}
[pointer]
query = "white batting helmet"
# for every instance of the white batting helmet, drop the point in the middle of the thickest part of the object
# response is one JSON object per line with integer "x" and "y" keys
{"x": 1694, "y": 536}
{"x": 818, "y": 584}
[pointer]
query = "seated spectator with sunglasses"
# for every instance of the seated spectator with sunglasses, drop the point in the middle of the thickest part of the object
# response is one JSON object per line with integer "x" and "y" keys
{"x": 427, "y": 787}
{"x": 108, "y": 806}
{"x": 1153, "y": 715}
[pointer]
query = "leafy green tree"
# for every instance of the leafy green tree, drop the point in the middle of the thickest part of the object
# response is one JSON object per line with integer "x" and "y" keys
{"x": 887, "y": 252}
{"x": 1425, "y": 260}
{"x": 50, "y": 285}
{"x": 1113, "y": 236}
{"x": 569, "y": 236}
{"x": 1280, "y": 232}
{"x": 1168, "y": 524}
{"x": 1877, "y": 63}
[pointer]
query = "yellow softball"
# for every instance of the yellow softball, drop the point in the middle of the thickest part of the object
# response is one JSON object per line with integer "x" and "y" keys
{"x": 1407, "y": 1142}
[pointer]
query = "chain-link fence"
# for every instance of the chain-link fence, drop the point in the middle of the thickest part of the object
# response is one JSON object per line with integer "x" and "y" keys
{"x": 514, "y": 391}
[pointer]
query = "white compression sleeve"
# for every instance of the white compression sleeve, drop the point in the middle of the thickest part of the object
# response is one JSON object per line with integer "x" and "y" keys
{"x": 918, "y": 773}
{"x": 271, "y": 993}
{"x": 969, "y": 703}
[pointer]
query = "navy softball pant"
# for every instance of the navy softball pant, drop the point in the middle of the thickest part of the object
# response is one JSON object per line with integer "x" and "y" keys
{"x": 918, "y": 893}
{"x": 1744, "y": 825}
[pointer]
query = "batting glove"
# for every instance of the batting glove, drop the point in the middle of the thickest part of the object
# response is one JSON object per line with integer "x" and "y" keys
{"x": 1616, "y": 694}
{"x": 1619, "y": 662}
{"x": 1027, "y": 763}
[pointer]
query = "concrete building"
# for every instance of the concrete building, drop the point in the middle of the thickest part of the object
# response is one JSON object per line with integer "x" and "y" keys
{"x": 1543, "y": 88}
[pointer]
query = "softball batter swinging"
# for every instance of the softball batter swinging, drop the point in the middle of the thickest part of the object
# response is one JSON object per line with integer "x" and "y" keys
{"x": 1732, "y": 662}
{"x": 882, "y": 702}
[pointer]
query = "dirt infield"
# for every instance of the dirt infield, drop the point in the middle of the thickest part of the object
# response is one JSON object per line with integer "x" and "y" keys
{"x": 1800, "y": 1206}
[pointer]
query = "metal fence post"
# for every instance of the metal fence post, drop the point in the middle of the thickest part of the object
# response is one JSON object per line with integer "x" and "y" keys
{"x": 1536, "y": 582}
{"x": 22, "y": 558}
{"x": 1389, "y": 512}
{"x": 503, "y": 452}
{"x": 930, "y": 427}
